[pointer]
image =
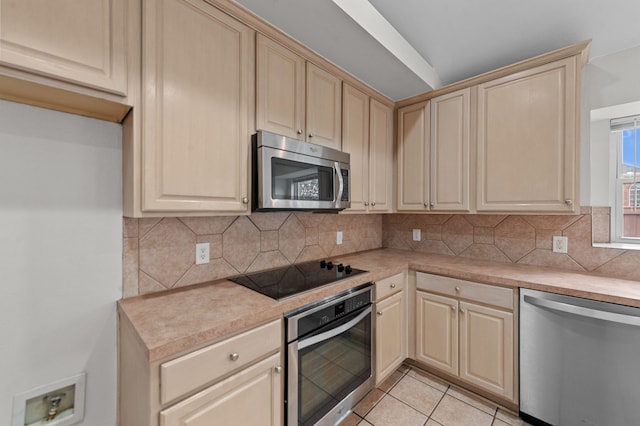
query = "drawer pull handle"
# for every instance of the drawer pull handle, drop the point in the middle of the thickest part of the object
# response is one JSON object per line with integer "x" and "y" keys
{"x": 393, "y": 285}
{"x": 457, "y": 288}
{"x": 278, "y": 369}
{"x": 379, "y": 312}
{"x": 233, "y": 356}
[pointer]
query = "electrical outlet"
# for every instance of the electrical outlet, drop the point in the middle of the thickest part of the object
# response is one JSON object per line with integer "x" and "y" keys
{"x": 339, "y": 237}
{"x": 560, "y": 244}
{"x": 202, "y": 253}
{"x": 417, "y": 235}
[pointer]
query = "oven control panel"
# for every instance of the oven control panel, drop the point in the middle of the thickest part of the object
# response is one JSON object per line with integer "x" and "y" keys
{"x": 331, "y": 311}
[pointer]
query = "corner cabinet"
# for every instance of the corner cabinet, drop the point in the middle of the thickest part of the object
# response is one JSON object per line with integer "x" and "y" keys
{"x": 211, "y": 385}
{"x": 434, "y": 153}
{"x": 467, "y": 330}
{"x": 188, "y": 148}
{"x": 391, "y": 325}
{"x": 296, "y": 98}
{"x": 527, "y": 140}
{"x": 367, "y": 136}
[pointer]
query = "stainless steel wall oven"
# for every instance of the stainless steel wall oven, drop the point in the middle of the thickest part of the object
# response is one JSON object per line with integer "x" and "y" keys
{"x": 329, "y": 357}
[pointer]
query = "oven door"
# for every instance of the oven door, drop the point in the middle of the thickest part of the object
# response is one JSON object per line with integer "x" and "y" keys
{"x": 329, "y": 370}
{"x": 296, "y": 181}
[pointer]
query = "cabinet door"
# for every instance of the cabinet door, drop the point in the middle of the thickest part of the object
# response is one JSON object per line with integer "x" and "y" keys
{"x": 252, "y": 397}
{"x": 527, "y": 147}
{"x": 198, "y": 80}
{"x": 280, "y": 89}
{"x": 80, "y": 41}
{"x": 324, "y": 108}
{"x": 381, "y": 158}
{"x": 355, "y": 141}
{"x": 413, "y": 157}
{"x": 486, "y": 348}
{"x": 437, "y": 331}
{"x": 450, "y": 151}
{"x": 390, "y": 332}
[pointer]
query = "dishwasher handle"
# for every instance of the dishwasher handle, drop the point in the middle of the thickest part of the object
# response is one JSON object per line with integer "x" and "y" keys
{"x": 582, "y": 310}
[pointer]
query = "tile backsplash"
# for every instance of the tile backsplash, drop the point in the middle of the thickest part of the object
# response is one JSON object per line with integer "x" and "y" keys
{"x": 159, "y": 253}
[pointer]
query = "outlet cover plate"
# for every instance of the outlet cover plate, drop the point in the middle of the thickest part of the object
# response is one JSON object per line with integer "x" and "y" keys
{"x": 202, "y": 253}
{"x": 417, "y": 235}
{"x": 560, "y": 244}
{"x": 339, "y": 237}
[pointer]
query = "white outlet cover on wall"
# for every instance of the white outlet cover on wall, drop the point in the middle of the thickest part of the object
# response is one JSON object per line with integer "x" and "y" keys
{"x": 560, "y": 244}
{"x": 417, "y": 235}
{"x": 339, "y": 237}
{"x": 202, "y": 253}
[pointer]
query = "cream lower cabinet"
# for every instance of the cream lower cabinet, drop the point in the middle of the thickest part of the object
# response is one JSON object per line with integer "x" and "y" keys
{"x": 236, "y": 381}
{"x": 251, "y": 397}
{"x": 367, "y": 136}
{"x": 186, "y": 151}
{"x": 391, "y": 325}
{"x": 527, "y": 140}
{"x": 466, "y": 330}
{"x": 296, "y": 98}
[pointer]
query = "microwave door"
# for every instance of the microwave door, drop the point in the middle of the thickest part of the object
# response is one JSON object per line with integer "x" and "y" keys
{"x": 295, "y": 181}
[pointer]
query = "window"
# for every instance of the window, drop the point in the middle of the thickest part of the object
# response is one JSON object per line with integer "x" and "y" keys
{"x": 625, "y": 214}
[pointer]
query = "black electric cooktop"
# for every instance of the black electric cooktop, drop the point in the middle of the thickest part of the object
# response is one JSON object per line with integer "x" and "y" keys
{"x": 284, "y": 282}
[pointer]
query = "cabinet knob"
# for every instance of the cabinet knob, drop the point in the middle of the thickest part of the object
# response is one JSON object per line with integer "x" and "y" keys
{"x": 392, "y": 285}
{"x": 568, "y": 202}
{"x": 310, "y": 135}
{"x": 299, "y": 131}
{"x": 373, "y": 203}
{"x": 366, "y": 203}
{"x": 426, "y": 204}
{"x": 278, "y": 369}
{"x": 457, "y": 289}
{"x": 379, "y": 312}
{"x": 453, "y": 308}
{"x": 245, "y": 200}
{"x": 233, "y": 356}
{"x": 462, "y": 310}
{"x": 432, "y": 204}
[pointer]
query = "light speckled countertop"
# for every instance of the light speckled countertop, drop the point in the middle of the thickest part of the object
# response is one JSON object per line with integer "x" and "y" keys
{"x": 175, "y": 321}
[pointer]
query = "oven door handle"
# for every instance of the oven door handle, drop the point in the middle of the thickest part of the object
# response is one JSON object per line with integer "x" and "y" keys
{"x": 334, "y": 331}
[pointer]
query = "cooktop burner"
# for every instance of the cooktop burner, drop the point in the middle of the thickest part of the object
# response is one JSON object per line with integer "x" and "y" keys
{"x": 294, "y": 279}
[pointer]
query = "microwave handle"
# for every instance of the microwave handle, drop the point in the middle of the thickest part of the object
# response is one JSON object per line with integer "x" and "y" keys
{"x": 336, "y": 165}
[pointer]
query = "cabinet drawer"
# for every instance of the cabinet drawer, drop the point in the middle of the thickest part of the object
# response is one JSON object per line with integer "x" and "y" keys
{"x": 483, "y": 293}
{"x": 203, "y": 366}
{"x": 390, "y": 285}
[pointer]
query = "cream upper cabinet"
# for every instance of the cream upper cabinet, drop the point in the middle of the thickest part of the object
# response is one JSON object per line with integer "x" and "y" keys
{"x": 280, "y": 89}
{"x": 367, "y": 137}
{"x": 77, "y": 41}
{"x": 324, "y": 108}
{"x": 450, "y": 151}
{"x": 295, "y": 98}
{"x": 391, "y": 325}
{"x": 527, "y": 140}
{"x": 413, "y": 157}
{"x": 197, "y": 112}
{"x": 434, "y": 154}
{"x": 466, "y": 329}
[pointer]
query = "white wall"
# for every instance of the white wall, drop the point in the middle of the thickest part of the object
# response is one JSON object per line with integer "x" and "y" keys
{"x": 608, "y": 81}
{"x": 60, "y": 254}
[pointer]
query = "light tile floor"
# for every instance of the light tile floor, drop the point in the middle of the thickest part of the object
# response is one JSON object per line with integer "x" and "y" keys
{"x": 412, "y": 397}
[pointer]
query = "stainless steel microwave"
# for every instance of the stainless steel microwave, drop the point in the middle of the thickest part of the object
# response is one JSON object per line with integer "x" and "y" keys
{"x": 289, "y": 174}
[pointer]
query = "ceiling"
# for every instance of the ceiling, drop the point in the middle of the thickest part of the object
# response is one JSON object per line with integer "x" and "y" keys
{"x": 458, "y": 38}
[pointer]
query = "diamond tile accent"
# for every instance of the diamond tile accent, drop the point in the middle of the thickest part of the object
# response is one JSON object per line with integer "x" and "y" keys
{"x": 457, "y": 234}
{"x": 292, "y": 237}
{"x": 167, "y": 251}
{"x": 270, "y": 221}
{"x": 241, "y": 243}
{"x": 214, "y": 270}
{"x": 515, "y": 237}
{"x": 208, "y": 225}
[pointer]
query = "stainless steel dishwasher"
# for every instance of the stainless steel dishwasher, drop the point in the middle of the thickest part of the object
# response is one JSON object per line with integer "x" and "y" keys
{"x": 579, "y": 361}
